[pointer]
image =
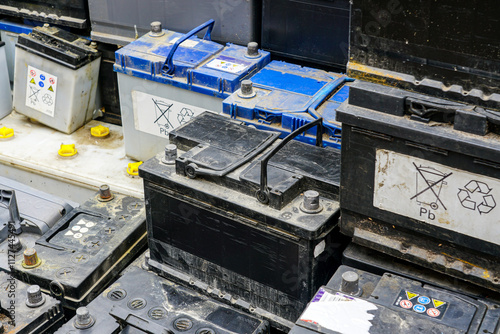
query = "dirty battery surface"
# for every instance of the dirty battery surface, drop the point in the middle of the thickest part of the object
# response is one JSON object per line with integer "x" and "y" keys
{"x": 25, "y": 215}
{"x": 356, "y": 301}
{"x": 86, "y": 249}
{"x": 25, "y": 309}
{"x": 286, "y": 96}
{"x": 215, "y": 224}
{"x": 427, "y": 168}
{"x": 142, "y": 302}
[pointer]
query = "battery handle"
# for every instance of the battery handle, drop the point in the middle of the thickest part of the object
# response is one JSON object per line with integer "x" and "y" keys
{"x": 168, "y": 67}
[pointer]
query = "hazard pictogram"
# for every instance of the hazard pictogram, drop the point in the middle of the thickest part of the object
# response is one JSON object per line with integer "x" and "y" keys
{"x": 33, "y": 73}
{"x": 411, "y": 295}
{"x": 430, "y": 182}
{"x": 406, "y": 304}
{"x": 437, "y": 303}
{"x": 432, "y": 312}
{"x": 476, "y": 196}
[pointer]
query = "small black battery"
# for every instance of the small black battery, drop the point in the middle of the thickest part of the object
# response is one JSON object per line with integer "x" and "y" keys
{"x": 86, "y": 249}
{"x": 356, "y": 301}
{"x": 25, "y": 215}
{"x": 267, "y": 238}
{"x": 142, "y": 302}
{"x": 25, "y": 309}
{"x": 423, "y": 178}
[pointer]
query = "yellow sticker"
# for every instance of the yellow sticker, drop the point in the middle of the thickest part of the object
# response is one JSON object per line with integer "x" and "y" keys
{"x": 51, "y": 89}
{"x": 33, "y": 81}
{"x": 437, "y": 303}
{"x": 411, "y": 295}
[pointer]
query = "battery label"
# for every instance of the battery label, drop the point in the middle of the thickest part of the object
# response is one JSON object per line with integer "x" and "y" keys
{"x": 339, "y": 313}
{"x": 436, "y": 194}
{"x": 41, "y": 88}
{"x": 227, "y": 65}
{"x": 188, "y": 43}
{"x": 422, "y": 304}
{"x": 159, "y": 116}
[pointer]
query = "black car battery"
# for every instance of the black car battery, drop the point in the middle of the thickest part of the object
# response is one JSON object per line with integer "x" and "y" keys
{"x": 441, "y": 48}
{"x": 25, "y": 309}
{"x": 356, "y": 301}
{"x": 86, "y": 249}
{"x": 246, "y": 214}
{"x": 423, "y": 180}
{"x": 142, "y": 302}
{"x": 25, "y": 215}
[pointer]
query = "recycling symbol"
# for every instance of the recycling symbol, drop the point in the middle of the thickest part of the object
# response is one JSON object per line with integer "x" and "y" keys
{"x": 477, "y": 192}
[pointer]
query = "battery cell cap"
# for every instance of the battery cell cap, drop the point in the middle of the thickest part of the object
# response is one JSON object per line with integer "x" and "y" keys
{"x": 6, "y": 133}
{"x": 133, "y": 168}
{"x": 99, "y": 131}
{"x": 67, "y": 150}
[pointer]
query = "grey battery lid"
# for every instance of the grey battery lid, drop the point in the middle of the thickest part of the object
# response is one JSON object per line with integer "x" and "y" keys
{"x": 39, "y": 210}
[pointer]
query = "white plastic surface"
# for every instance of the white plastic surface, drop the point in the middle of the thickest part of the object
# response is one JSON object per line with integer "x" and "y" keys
{"x": 76, "y": 91}
{"x": 136, "y": 112}
{"x": 31, "y": 157}
{"x": 5, "y": 92}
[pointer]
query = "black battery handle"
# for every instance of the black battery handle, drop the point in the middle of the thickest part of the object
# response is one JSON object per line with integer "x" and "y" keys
{"x": 263, "y": 193}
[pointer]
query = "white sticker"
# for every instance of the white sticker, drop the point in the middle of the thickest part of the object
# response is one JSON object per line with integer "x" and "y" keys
{"x": 339, "y": 313}
{"x": 320, "y": 248}
{"x": 84, "y": 229}
{"x": 69, "y": 233}
{"x": 75, "y": 228}
{"x": 188, "y": 43}
{"x": 159, "y": 116}
{"x": 226, "y": 66}
{"x": 77, "y": 235}
{"x": 41, "y": 88}
{"x": 89, "y": 224}
{"x": 438, "y": 195}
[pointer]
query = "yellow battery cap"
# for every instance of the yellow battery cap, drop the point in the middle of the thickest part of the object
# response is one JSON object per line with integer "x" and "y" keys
{"x": 133, "y": 168}
{"x": 67, "y": 150}
{"x": 99, "y": 131}
{"x": 6, "y": 133}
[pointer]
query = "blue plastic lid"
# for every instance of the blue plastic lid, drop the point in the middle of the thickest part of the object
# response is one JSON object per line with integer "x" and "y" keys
{"x": 288, "y": 96}
{"x": 199, "y": 65}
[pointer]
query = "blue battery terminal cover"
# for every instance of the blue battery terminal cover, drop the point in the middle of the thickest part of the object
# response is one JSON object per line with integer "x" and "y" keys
{"x": 288, "y": 96}
{"x": 200, "y": 65}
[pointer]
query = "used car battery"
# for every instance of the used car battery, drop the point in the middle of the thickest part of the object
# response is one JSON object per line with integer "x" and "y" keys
{"x": 55, "y": 78}
{"x": 282, "y": 97}
{"x": 121, "y": 21}
{"x": 86, "y": 249}
{"x": 423, "y": 180}
{"x": 440, "y": 48}
{"x": 5, "y": 91}
{"x": 245, "y": 213}
{"x": 142, "y": 302}
{"x": 26, "y": 214}
{"x": 356, "y": 301}
{"x": 24, "y": 309}
{"x": 66, "y": 13}
{"x": 165, "y": 78}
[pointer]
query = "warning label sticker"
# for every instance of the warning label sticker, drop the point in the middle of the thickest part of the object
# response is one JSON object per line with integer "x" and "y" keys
{"x": 421, "y": 305}
{"x": 159, "y": 116}
{"x": 226, "y": 65}
{"x": 437, "y": 194}
{"x": 41, "y": 89}
{"x": 188, "y": 43}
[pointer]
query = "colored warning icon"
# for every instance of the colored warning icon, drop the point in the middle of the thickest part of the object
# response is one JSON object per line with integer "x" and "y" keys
{"x": 52, "y": 81}
{"x": 51, "y": 89}
{"x": 432, "y": 312}
{"x": 437, "y": 303}
{"x": 33, "y": 81}
{"x": 406, "y": 304}
{"x": 33, "y": 73}
{"x": 411, "y": 295}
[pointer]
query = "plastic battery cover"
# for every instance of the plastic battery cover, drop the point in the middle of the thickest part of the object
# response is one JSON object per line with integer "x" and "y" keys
{"x": 356, "y": 301}
{"x": 428, "y": 167}
{"x": 444, "y": 49}
{"x": 189, "y": 62}
{"x": 30, "y": 213}
{"x": 44, "y": 314}
{"x": 245, "y": 198}
{"x": 143, "y": 302}
{"x": 287, "y": 96}
{"x": 86, "y": 249}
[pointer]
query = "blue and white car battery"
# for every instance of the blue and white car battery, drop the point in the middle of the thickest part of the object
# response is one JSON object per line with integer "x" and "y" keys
{"x": 283, "y": 97}
{"x": 165, "y": 78}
